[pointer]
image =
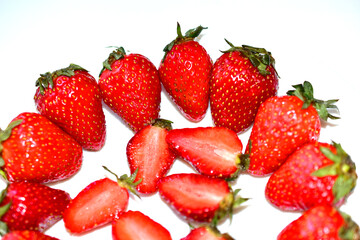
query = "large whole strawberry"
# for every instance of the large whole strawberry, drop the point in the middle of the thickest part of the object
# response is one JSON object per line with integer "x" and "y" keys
{"x": 317, "y": 173}
{"x": 71, "y": 98}
{"x": 131, "y": 87}
{"x": 242, "y": 78}
{"x": 185, "y": 74}
{"x": 34, "y": 149}
{"x": 283, "y": 124}
{"x": 32, "y": 206}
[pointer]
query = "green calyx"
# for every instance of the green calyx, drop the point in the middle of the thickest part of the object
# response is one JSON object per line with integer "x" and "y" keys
{"x": 115, "y": 55}
{"x": 162, "y": 123}
{"x": 306, "y": 93}
{"x": 343, "y": 167}
{"x": 3, "y": 209}
{"x": 259, "y": 57}
{"x": 189, "y": 35}
{"x": 126, "y": 181}
{"x": 46, "y": 80}
{"x": 350, "y": 230}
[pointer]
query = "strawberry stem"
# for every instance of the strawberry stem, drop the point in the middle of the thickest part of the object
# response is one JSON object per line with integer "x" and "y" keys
{"x": 115, "y": 55}
{"x": 350, "y": 230}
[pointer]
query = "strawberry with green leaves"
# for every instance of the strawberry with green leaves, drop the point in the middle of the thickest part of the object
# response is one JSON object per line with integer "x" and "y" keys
{"x": 185, "y": 74}
{"x": 283, "y": 124}
{"x": 213, "y": 151}
{"x": 134, "y": 225}
{"x": 321, "y": 222}
{"x": 198, "y": 197}
{"x": 27, "y": 235}
{"x": 207, "y": 233}
{"x": 31, "y": 206}
{"x": 99, "y": 203}
{"x": 149, "y": 154}
{"x": 34, "y": 149}
{"x": 131, "y": 87}
{"x": 317, "y": 173}
{"x": 242, "y": 78}
{"x": 71, "y": 98}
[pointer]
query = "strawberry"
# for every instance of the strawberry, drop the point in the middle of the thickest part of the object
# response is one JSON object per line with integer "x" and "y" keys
{"x": 149, "y": 154}
{"x": 32, "y": 206}
{"x": 199, "y": 197}
{"x": 283, "y": 124}
{"x": 71, "y": 98}
{"x": 135, "y": 225}
{"x": 206, "y": 233}
{"x": 27, "y": 235}
{"x": 131, "y": 87}
{"x": 185, "y": 74}
{"x": 34, "y": 149}
{"x": 317, "y": 173}
{"x": 213, "y": 151}
{"x": 242, "y": 78}
{"x": 98, "y": 204}
{"x": 321, "y": 222}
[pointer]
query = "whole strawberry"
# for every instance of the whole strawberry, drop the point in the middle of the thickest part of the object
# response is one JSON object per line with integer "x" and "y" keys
{"x": 34, "y": 149}
{"x": 27, "y": 235}
{"x": 321, "y": 222}
{"x": 206, "y": 233}
{"x": 317, "y": 173}
{"x": 185, "y": 74}
{"x": 283, "y": 124}
{"x": 71, "y": 98}
{"x": 131, "y": 87}
{"x": 242, "y": 78}
{"x": 32, "y": 206}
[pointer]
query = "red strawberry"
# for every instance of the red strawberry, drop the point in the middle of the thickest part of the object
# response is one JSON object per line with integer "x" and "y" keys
{"x": 185, "y": 74}
{"x": 242, "y": 78}
{"x": 135, "y": 225}
{"x": 198, "y": 197}
{"x": 321, "y": 222}
{"x": 282, "y": 125}
{"x": 213, "y": 151}
{"x": 27, "y": 235}
{"x": 71, "y": 98}
{"x": 98, "y": 204}
{"x": 130, "y": 86}
{"x": 32, "y": 206}
{"x": 35, "y": 149}
{"x": 149, "y": 154}
{"x": 317, "y": 173}
{"x": 206, "y": 233}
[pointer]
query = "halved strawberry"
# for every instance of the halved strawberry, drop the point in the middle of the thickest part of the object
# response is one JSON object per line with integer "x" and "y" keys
{"x": 213, "y": 151}
{"x": 136, "y": 225}
{"x": 149, "y": 154}
{"x": 198, "y": 197}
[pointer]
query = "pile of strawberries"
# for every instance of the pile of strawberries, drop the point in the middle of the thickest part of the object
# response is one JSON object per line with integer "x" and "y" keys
{"x": 241, "y": 87}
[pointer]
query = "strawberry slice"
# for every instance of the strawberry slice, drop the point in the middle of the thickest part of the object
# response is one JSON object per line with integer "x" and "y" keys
{"x": 199, "y": 197}
{"x": 213, "y": 151}
{"x": 136, "y": 225}
{"x": 149, "y": 153}
{"x": 27, "y": 234}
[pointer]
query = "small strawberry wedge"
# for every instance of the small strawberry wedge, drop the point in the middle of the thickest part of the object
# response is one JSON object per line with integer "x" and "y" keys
{"x": 198, "y": 197}
{"x": 134, "y": 225}
{"x": 149, "y": 154}
{"x": 213, "y": 151}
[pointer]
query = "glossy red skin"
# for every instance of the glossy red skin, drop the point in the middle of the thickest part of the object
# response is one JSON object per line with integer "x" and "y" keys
{"x": 213, "y": 151}
{"x": 203, "y": 233}
{"x": 39, "y": 151}
{"x": 281, "y": 126}
{"x": 149, "y": 152}
{"x": 34, "y": 206}
{"x": 237, "y": 89}
{"x": 196, "y": 197}
{"x": 74, "y": 104}
{"x": 185, "y": 75}
{"x": 319, "y": 222}
{"x": 132, "y": 89}
{"x": 135, "y": 225}
{"x": 27, "y": 235}
{"x": 97, "y": 204}
{"x": 292, "y": 187}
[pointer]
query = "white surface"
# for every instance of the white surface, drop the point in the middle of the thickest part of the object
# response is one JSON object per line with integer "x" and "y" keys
{"x": 315, "y": 41}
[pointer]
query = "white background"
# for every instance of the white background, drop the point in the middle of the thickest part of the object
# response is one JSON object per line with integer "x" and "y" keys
{"x": 317, "y": 41}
